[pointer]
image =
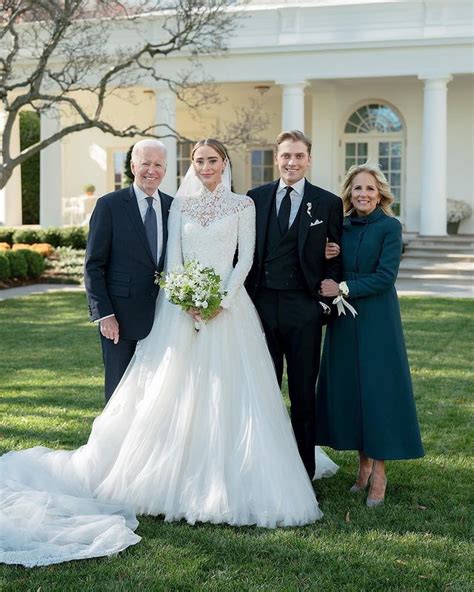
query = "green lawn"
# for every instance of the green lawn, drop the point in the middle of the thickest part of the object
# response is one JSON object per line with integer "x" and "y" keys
{"x": 51, "y": 386}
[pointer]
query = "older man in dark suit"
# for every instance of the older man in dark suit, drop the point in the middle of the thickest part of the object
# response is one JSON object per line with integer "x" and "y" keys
{"x": 294, "y": 221}
{"x": 125, "y": 251}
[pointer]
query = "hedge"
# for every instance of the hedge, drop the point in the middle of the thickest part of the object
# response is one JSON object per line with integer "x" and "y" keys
{"x": 35, "y": 262}
{"x": 72, "y": 236}
{"x": 18, "y": 264}
{"x": 4, "y": 266}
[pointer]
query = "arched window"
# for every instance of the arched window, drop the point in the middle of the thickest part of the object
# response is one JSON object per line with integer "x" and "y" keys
{"x": 376, "y": 132}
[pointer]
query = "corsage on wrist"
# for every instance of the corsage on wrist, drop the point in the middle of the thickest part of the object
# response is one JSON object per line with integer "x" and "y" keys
{"x": 343, "y": 289}
{"x": 342, "y": 304}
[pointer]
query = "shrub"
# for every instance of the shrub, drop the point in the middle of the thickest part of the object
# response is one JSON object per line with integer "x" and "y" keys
{"x": 6, "y": 235}
{"x": 18, "y": 264}
{"x": 75, "y": 237}
{"x": 35, "y": 262}
{"x": 67, "y": 265}
{"x": 4, "y": 247}
{"x": 44, "y": 249}
{"x": 26, "y": 235}
{"x": 4, "y": 267}
{"x": 53, "y": 236}
{"x": 72, "y": 236}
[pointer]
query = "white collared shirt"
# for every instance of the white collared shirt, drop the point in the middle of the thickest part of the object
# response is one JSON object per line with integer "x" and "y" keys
{"x": 143, "y": 206}
{"x": 296, "y": 197}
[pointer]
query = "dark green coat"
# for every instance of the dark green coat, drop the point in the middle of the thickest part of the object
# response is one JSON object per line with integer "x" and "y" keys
{"x": 364, "y": 394}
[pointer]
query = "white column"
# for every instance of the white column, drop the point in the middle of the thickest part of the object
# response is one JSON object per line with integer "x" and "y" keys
{"x": 165, "y": 118}
{"x": 433, "y": 189}
{"x": 10, "y": 195}
{"x": 324, "y": 169}
{"x": 292, "y": 107}
{"x": 50, "y": 172}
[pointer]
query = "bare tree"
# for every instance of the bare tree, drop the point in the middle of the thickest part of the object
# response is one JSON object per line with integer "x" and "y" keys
{"x": 71, "y": 55}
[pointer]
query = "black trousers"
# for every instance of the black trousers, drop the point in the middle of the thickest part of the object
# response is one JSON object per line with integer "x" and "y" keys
{"x": 292, "y": 323}
{"x": 116, "y": 359}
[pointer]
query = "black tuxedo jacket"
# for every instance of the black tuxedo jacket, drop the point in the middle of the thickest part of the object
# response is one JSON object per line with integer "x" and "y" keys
{"x": 119, "y": 270}
{"x": 321, "y": 218}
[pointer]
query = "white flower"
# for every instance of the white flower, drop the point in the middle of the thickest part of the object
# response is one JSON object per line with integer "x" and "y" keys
{"x": 458, "y": 210}
{"x": 309, "y": 205}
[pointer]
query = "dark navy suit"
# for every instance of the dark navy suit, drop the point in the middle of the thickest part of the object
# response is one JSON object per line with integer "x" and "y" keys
{"x": 284, "y": 282}
{"x": 119, "y": 276}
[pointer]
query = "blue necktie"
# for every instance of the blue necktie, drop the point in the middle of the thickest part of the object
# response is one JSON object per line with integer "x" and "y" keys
{"x": 284, "y": 211}
{"x": 151, "y": 228}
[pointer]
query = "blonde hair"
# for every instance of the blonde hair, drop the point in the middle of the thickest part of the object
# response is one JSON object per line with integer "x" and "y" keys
{"x": 215, "y": 144}
{"x": 294, "y": 136}
{"x": 385, "y": 193}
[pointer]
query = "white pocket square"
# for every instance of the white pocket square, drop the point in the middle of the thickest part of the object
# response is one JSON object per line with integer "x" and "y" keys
{"x": 316, "y": 222}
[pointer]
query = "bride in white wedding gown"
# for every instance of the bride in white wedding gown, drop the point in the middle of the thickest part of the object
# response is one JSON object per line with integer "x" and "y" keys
{"x": 197, "y": 428}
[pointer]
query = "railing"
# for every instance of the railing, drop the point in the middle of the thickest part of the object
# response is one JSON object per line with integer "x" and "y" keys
{"x": 76, "y": 211}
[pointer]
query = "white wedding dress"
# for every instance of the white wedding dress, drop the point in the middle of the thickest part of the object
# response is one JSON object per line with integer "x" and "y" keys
{"x": 196, "y": 430}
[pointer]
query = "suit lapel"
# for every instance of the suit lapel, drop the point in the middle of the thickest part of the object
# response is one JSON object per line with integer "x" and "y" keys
{"x": 310, "y": 198}
{"x": 133, "y": 211}
{"x": 263, "y": 206}
{"x": 165, "y": 208}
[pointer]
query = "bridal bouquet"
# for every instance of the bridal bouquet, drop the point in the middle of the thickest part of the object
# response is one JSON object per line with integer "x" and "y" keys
{"x": 194, "y": 286}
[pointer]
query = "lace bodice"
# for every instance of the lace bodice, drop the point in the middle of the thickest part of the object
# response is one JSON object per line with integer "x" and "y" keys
{"x": 209, "y": 226}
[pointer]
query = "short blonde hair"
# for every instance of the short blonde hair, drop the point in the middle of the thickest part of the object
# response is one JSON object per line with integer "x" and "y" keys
{"x": 294, "y": 136}
{"x": 385, "y": 193}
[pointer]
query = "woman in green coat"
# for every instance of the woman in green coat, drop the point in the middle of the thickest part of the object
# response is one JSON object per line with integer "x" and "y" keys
{"x": 364, "y": 396}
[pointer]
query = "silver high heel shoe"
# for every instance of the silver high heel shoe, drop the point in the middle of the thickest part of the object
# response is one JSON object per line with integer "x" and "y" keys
{"x": 358, "y": 488}
{"x": 373, "y": 503}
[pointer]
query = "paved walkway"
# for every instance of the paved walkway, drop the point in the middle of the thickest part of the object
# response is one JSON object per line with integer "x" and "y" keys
{"x": 38, "y": 289}
{"x": 404, "y": 288}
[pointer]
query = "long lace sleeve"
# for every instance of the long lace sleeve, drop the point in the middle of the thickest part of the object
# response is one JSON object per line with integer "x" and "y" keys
{"x": 246, "y": 247}
{"x": 174, "y": 250}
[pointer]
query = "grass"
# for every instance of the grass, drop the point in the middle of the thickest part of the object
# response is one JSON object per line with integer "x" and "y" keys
{"x": 51, "y": 383}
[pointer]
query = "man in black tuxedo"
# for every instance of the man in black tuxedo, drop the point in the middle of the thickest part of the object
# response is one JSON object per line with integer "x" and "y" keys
{"x": 125, "y": 249}
{"x": 294, "y": 220}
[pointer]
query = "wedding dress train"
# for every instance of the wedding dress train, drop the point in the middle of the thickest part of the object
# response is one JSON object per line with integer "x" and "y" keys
{"x": 196, "y": 430}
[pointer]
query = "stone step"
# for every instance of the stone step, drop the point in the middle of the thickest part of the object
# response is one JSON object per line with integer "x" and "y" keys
{"x": 444, "y": 257}
{"x": 440, "y": 248}
{"x": 437, "y": 264}
{"x": 447, "y": 238}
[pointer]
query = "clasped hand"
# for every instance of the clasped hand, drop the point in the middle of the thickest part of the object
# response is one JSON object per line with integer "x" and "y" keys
{"x": 329, "y": 288}
{"x": 196, "y": 314}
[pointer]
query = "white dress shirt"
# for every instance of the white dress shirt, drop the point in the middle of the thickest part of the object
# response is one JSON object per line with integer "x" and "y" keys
{"x": 143, "y": 206}
{"x": 296, "y": 196}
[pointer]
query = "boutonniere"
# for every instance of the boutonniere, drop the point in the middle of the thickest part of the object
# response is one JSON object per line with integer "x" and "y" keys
{"x": 157, "y": 278}
{"x": 309, "y": 206}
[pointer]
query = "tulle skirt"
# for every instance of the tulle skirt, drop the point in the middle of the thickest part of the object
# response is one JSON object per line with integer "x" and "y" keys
{"x": 196, "y": 430}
